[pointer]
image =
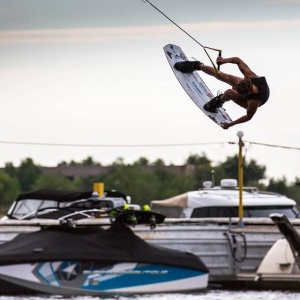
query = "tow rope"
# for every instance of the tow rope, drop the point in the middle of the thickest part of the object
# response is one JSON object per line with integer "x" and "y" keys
{"x": 204, "y": 47}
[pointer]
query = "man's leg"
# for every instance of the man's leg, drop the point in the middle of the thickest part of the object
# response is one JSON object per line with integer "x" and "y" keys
{"x": 191, "y": 66}
{"x": 227, "y": 78}
{"x": 235, "y": 97}
{"x": 218, "y": 101}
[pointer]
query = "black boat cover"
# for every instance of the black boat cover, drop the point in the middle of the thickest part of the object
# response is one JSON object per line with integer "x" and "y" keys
{"x": 114, "y": 245}
{"x": 57, "y": 195}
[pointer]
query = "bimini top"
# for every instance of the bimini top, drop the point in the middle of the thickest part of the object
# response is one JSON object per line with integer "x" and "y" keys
{"x": 55, "y": 195}
{"x": 223, "y": 201}
{"x": 63, "y": 195}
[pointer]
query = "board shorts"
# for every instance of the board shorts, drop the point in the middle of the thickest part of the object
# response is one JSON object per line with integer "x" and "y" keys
{"x": 261, "y": 83}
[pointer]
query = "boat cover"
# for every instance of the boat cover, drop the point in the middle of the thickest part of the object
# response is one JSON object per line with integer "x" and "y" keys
{"x": 113, "y": 245}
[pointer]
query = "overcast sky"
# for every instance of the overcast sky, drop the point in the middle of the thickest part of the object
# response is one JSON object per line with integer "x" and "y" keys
{"x": 93, "y": 72}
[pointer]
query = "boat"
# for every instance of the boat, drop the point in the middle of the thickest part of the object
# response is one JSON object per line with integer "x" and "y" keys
{"x": 223, "y": 202}
{"x": 206, "y": 223}
{"x": 208, "y": 226}
{"x": 210, "y": 202}
{"x": 61, "y": 205}
{"x": 56, "y": 204}
{"x": 281, "y": 265}
{"x": 76, "y": 258}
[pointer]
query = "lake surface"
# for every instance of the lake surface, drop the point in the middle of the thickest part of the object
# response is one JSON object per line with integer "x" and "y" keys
{"x": 207, "y": 295}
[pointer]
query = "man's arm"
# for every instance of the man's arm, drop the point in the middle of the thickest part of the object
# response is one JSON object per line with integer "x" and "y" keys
{"x": 251, "y": 110}
{"x": 247, "y": 72}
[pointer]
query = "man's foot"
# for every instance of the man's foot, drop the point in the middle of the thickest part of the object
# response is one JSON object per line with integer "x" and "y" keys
{"x": 213, "y": 104}
{"x": 188, "y": 66}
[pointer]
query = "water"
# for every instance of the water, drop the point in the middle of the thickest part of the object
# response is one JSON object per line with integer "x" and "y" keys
{"x": 208, "y": 295}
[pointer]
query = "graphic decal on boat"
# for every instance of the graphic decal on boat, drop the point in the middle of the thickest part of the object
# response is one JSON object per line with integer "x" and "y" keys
{"x": 93, "y": 276}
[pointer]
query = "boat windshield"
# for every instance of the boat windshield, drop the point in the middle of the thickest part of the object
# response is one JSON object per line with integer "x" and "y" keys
{"x": 249, "y": 212}
{"x": 28, "y": 206}
{"x": 263, "y": 212}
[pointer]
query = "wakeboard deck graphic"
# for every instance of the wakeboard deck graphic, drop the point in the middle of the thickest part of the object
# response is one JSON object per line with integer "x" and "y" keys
{"x": 136, "y": 217}
{"x": 193, "y": 84}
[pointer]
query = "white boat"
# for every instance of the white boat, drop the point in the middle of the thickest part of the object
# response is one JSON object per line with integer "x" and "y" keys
{"x": 223, "y": 202}
{"x": 281, "y": 265}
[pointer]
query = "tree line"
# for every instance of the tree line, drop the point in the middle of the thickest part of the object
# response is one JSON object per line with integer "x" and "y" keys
{"x": 142, "y": 184}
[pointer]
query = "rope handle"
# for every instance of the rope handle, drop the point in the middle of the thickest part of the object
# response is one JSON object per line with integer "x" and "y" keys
{"x": 220, "y": 54}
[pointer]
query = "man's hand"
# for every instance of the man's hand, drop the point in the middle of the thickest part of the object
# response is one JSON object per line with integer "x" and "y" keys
{"x": 225, "y": 125}
{"x": 220, "y": 60}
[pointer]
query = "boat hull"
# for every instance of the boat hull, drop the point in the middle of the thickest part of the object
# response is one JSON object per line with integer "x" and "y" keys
{"x": 92, "y": 278}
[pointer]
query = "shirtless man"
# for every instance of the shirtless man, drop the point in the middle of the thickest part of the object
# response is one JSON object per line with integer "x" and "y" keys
{"x": 249, "y": 92}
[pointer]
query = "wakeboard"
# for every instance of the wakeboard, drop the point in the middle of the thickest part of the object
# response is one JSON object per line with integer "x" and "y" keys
{"x": 137, "y": 217}
{"x": 193, "y": 84}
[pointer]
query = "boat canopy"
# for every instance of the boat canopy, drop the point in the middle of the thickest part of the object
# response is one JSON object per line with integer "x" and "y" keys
{"x": 64, "y": 196}
{"x": 55, "y": 195}
{"x": 179, "y": 201}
